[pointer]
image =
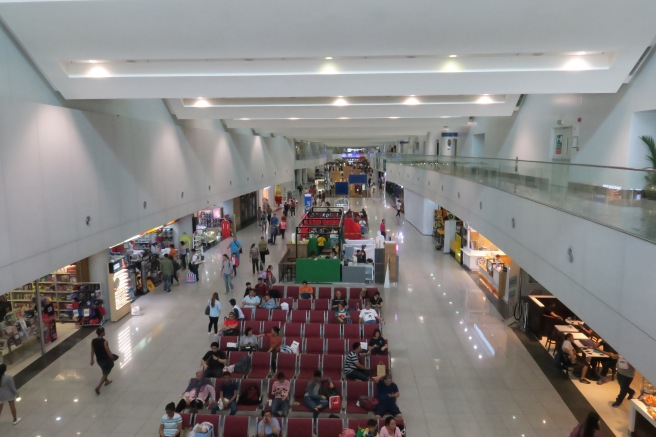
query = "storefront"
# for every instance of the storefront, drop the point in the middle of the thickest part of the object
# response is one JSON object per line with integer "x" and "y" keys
{"x": 48, "y": 309}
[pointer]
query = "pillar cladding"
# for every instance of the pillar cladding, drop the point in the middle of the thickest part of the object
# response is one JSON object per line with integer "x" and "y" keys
{"x": 449, "y": 144}
{"x": 431, "y": 143}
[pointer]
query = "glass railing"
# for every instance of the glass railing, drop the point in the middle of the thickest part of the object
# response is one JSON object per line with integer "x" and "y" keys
{"x": 611, "y": 196}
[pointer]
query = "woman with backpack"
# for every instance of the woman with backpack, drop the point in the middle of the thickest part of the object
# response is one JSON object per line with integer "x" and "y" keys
{"x": 214, "y": 305}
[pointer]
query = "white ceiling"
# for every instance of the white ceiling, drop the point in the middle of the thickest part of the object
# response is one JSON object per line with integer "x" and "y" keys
{"x": 381, "y": 49}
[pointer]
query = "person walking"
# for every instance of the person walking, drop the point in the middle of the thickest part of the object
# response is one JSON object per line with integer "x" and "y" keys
{"x": 283, "y": 226}
{"x": 214, "y": 304}
{"x": 263, "y": 248}
{"x": 194, "y": 262}
{"x": 274, "y": 228}
{"x": 166, "y": 267}
{"x": 226, "y": 270}
{"x": 104, "y": 356}
{"x": 8, "y": 393}
{"x": 255, "y": 258}
{"x": 183, "y": 255}
{"x": 383, "y": 229}
{"x": 292, "y": 207}
{"x": 235, "y": 249}
{"x": 398, "y": 207}
{"x": 625, "y": 375}
{"x": 589, "y": 427}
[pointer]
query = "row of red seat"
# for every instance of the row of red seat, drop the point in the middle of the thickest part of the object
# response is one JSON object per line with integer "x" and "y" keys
{"x": 308, "y": 304}
{"x": 325, "y": 292}
{"x": 301, "y": 366}
{"x": 239, "y": 426}
{"x": 306, "y": 345}
{"x": 297, "y": 316}
{"x": 314, "y": 330}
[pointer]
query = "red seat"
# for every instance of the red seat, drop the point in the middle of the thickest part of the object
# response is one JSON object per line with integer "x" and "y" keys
{"x": 262, "y": 314}
{"x": 314, "y": 345}
{"x": 293, "y": 329}
{"x": 279, "y": 315}
{"x": 279, "y": 289}
{"x": 313, "y": 330}
{"x": 317, "y": 316}
{"x": 342, "y": 289}
{"x": 352, "y": 331}
{"x": 260, "y": 365}
{"x": 353, "y": 304}
{"x": 292, "y": 291}
{"x": 248, "y": 313}
{"x": 211, "y": 418}
{"x": 268, "y": 326}
{"x": 371, "y": 291}
{"x": 369, "y": 330}
{"x": 225, "y": 339}
{"x": 234, "y": 426}
{"x": 186, "y": 420}
{"x": 265, "y": 343}
{"x": 308, "y": 364}
{"x": 298, "y": 427}
{"x": 332, "y": 330}
{"x": 354, "y": 293}
{"x": 299, "y": 392}
{"x": 329, "y": 427}
{"x": 286, "y": 363}
{"x": 335, "y": 346}
{"x": 355, "y": 389}
{"x": 289, "y": 339}
{"x": 288, "y": 300}
{"x": 255, "y": 324}
{"x": 332, "y": 366}
{"x": 325, "y": 293}
{"x": 244, "y": 386}
{"x": 299, "y": 316}
{"x": 355, "y": 316}
{"x": 233, "y": 358}
{"x": 304, "y": 304}
{"x": 322, "y": 304}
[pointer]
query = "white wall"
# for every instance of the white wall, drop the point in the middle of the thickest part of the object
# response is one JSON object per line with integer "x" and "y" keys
{"x": 609, "y": 284}
{"x": 419, "y": 211}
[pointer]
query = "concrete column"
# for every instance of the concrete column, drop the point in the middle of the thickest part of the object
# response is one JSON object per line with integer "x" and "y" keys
{"x": 184, "y": 225}
{"x": 431, "y": 143}
{"x": 98, "y": 272}
{"x": 449, "y": 143}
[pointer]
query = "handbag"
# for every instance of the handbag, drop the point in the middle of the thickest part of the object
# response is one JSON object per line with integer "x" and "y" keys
{"x": 207, "y": 310}
{"x": 266, "y": 251}
{"x": 114, "y": 357}
{"x": 381, "y": 370}
{"x": 335, "y": 402}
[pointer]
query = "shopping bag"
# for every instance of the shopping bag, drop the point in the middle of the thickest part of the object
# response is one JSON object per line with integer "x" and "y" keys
{"x": 381, "y": 370}
{"x": 294, "y": 347}
{"x": 335, "y": 402}
{"x": 191, "y": 277}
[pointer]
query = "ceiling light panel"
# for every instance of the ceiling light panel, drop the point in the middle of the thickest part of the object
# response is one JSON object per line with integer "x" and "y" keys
{"x": 342, "y": 66}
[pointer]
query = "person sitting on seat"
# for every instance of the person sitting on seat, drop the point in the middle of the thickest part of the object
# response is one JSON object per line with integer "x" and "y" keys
{"x": 252, "y": 300}
{"x": 248, "y": 341}
{"x": 376, "y": 301}
{"x": 227, "y": 395}
{"x": 377, "y": 344}
{"x": 306, "y": 291}
{"x": 198, "y": 393}
{"x": 337, "y": 299}
{"x": 369, "y": 315}
{"x": 268, "y": 303}
{"x": 230, "y": 325}
{"x": 388, "y": 393}
{"x": 268, "y": 426}
{"x": 213, "y": 361}
{"x": 550, "y": 311}
{"x": 353, "y": 368}
{"x": 313, "y": 399}
{"x": 342, "y": 315}
{"x": 280, "y": 391}
{"x": 574, "y": 359}
{"x": 261, "y": 288}
{"x": 275, "y": 340}
{"x": 239, "y": 314}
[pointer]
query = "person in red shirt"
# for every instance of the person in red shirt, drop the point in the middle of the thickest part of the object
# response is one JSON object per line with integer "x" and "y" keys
{"x": 275, "y": 340}
{"x": 261, "y": 288}
{"x": 383, "y": 230}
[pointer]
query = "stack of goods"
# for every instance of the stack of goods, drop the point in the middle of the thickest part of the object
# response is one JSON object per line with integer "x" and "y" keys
{"x": 89, "y": 305}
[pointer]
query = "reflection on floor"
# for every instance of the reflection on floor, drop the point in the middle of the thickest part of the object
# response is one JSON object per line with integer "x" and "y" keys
{"x": 461, "y": 371}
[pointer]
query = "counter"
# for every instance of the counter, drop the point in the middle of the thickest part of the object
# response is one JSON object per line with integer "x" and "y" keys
{"x": 495, "y": 280}
{"x": 638, "y": 406}
{"x": 471, "y": 257}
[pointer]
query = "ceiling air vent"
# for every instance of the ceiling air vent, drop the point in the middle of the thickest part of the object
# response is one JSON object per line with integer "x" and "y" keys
{"x": 638, "y": 64}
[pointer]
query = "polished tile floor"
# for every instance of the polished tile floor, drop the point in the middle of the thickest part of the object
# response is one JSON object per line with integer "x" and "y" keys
{"x": 460, "y": 369}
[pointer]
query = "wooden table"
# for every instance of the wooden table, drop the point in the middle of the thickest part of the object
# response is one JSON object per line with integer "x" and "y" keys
{"x": 589, "y": 352}
{"x": 566, "y": 328}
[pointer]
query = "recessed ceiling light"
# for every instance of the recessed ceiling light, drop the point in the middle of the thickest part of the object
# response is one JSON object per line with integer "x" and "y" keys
{"x": 243, "y": 119}
{"x": 328, "y": 58}
{"x": 344, "y": 118}
{"x": 98, "y": 72}
{"x": 293, "y": 118}
{"x": 201, "y": 103}
{"x": 484, "y": 100}
{"x": 393, "y": 118}
{"x": 412, "y": 100}
{"x": 340, "y": 101}
{"x": 453, "y": 56}
{"x": 581, "y": 53}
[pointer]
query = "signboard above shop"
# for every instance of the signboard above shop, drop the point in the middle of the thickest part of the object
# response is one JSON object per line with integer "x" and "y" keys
{"x": 352, "y": 155}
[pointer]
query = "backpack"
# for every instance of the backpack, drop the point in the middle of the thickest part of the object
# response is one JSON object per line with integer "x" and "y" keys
{"x": 367, "y": 403}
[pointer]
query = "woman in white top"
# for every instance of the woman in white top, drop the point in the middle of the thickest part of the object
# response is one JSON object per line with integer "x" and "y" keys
{"x": 8, "y": 392}
{"x": 215, "y": 311}
{"x": 390, "y": 429}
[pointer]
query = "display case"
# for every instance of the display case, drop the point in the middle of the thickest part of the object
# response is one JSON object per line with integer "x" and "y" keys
{"x": 120, "y": 285}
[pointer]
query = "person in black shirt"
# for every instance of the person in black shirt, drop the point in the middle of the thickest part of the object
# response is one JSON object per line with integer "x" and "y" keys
{"x": 376, "y": 301}
{"x": 100, "y": 349}
{"x": 377, "y": 344}
{"x": 5, "y": 308}
{"x": 337, "y": 300}
{"x": 213, "y": 361}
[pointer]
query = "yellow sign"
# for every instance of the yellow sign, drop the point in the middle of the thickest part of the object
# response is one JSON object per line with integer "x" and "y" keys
{"x": 150, "y": 285}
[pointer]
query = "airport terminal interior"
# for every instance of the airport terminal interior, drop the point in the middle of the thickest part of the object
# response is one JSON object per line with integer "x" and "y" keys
{"x": 435, "y": 218}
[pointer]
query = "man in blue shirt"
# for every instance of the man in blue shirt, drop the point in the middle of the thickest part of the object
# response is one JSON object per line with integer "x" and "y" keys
{"x": 235, "y": 247}
{"x": 274, "y": 228}
{"x": 388, "y": 392}
{"x": 227, "y": 395}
